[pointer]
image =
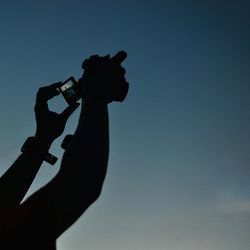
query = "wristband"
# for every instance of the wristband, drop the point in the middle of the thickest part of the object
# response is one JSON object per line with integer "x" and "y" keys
{"x": 66, "y": 141}
{"x": 31, "y": 143}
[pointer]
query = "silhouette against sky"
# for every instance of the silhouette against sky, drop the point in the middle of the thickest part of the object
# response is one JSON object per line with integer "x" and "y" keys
{"x": 179, "y": 162}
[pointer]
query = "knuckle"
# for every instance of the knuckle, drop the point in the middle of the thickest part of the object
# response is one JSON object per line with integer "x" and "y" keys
{"x": 40, "y": 91}
{"x": 36, "y": 108}
{"x": 123, "y": 71}
{"x": 94, "y": 57}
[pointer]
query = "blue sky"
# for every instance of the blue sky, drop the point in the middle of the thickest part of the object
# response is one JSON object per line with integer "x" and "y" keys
{"x": 179, "y": 173}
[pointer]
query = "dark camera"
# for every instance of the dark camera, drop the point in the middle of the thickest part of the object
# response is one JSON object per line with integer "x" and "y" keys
{"x": 71, "y": 91}
{"x": 96, "y": 68}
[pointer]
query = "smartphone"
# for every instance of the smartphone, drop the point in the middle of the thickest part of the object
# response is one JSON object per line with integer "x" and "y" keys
{"x": 70, "y": 91}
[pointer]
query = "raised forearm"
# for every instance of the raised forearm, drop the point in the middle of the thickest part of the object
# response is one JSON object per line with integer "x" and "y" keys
{"x": 16, "y": 181}
{"x": 79, "y": 181}
{"x": 85, "y": 160}
{"x": 84, "y": 164}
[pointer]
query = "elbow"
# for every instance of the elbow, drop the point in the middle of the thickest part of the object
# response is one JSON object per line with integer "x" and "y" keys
{"x": 93, "y": 187}
{"x": 94, "y": 194}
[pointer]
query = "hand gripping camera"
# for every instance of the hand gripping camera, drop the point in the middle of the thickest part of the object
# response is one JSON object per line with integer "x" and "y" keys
{"x": 72, "y": 90}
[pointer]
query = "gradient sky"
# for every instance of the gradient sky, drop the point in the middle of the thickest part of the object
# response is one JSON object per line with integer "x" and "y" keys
{"x": 179, "y": 165}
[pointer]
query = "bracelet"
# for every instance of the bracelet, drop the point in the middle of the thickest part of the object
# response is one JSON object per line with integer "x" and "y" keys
{"x": 31, "y": 143}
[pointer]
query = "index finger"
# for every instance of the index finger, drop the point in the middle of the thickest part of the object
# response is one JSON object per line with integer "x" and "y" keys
{"x": 55, "y": 85}
{"x": 119, "y": 57}
{"x": 48, "y": 92}
{"x": 44, "y": 94}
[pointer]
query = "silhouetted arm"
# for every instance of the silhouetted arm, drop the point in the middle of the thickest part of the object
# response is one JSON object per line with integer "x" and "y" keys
{"x": 84, "y": 164}
{"x": 46, "y": 214}
{"x": 83, "y": 168}
{"x": 17, "y": 179}
{"x": 79, "y": 182}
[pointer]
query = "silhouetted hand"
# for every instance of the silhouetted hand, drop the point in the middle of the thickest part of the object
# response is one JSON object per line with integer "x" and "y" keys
{"x": 50, "y": 125}
{"x": 103, "y": 77}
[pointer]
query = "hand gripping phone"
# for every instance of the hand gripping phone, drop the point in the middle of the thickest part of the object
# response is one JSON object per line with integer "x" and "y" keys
{"x": 70, "y": 90}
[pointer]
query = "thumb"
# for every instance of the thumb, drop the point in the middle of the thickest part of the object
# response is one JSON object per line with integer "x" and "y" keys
{"x": 69, "y": 111}
{"x": 119, "y": 57}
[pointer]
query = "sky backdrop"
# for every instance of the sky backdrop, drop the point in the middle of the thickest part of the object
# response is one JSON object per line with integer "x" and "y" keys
{"x": 179, "y": 168}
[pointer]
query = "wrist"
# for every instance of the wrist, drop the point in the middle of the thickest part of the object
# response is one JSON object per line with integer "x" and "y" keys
{"x": 95, "y": 101}
{"x": 42, "y": 141}
{"x": 38, "y": 148}
{"x": 35, "y": 144}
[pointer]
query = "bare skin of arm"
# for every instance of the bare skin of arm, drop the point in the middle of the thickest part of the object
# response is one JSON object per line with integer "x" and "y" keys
{"x": 79, "y": 182}
{"x": 84, "y": 164}
{"x": 83, "y": 168}
{"x": 16, "y": 181}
